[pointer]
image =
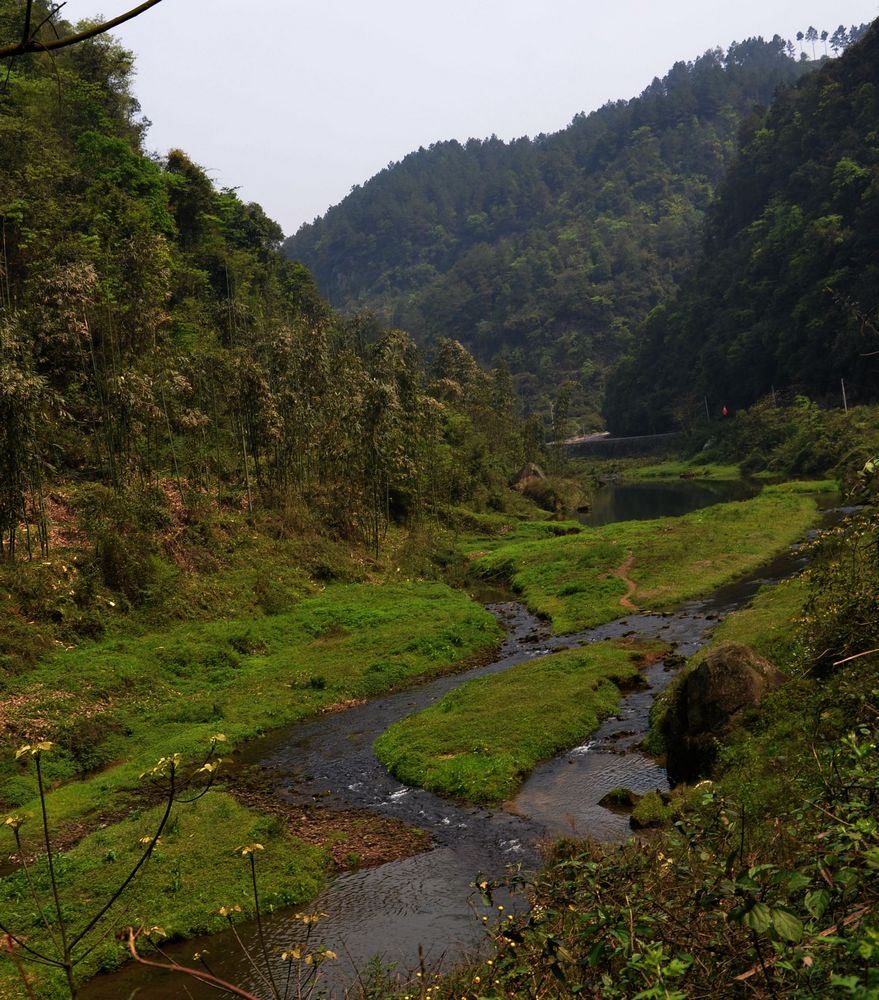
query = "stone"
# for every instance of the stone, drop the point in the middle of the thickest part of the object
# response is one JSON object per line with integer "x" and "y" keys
{"x": 731, "y": 679}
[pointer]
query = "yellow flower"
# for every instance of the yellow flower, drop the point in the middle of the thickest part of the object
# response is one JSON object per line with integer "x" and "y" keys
{"x": 163, "y": 765}
{"x": 34, "y": 749}
{"x": 248, "y": 849}
{"x": 227, "y": 911}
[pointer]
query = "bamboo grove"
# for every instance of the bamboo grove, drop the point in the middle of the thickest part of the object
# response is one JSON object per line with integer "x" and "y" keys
{"x": 152, "y": 334}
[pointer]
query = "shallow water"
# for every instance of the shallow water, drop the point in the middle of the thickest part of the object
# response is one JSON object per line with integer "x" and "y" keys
{"x": 426, "y": 902}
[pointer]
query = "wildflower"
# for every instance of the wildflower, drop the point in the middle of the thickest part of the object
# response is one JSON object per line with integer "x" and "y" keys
{"x": 163, "y": 765}
{"x": 248, "y": 849}
{"x": 308, "y": 918}
{"x": 15, "y": 821}
{"x": 227, "y": 911}
{"x": 34, "y": 749}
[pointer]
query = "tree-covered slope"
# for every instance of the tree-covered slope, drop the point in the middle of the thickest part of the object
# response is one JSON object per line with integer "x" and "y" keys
{"x": 543, "y": 252}
{"x": 786, "y": 291}
{"x": 151, "y": 332}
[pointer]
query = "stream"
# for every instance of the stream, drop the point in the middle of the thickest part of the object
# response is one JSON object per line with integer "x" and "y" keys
{"x": 427, "y": 902}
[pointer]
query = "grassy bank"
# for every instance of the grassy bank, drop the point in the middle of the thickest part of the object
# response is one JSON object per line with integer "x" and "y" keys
{"x": 766, "y": 884}
{"x": 481, "y": 740}
{"x": 117, "y": 705}
{"x": 196, "y": 868}
{"x": 599, "y": 574}
{"x": 683, "y": 469}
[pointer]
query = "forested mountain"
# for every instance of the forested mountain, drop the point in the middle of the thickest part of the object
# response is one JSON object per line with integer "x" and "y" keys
{"x": 152, "y": 335}
{"x": 786, "y": 291}
{"x": 544, "y": 252}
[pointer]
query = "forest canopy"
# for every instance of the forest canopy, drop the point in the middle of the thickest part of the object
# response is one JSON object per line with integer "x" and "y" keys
{"x": 785, "y": 295}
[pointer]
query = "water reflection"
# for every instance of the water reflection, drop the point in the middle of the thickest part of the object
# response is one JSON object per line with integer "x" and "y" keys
{"x": 644, "y": 501}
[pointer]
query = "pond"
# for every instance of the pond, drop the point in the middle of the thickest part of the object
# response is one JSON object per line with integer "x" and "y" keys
{"x": 669, "y": 498}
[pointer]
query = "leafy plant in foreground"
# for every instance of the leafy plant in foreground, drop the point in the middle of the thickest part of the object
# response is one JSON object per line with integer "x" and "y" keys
{"x": 70, "y": 942}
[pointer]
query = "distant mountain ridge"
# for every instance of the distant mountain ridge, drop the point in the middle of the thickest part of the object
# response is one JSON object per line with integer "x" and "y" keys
{"x": 786, "y": 292}
{"x": 543, "y": 253}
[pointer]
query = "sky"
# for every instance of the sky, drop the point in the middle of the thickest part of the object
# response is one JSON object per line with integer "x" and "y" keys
{"x": 295, "y": 102}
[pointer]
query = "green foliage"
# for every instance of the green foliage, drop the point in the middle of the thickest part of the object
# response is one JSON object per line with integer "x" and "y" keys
{"x": 578, "y": 580}
{"x": 545, "y": 252}
{"x": 152, "y": 336}
{"x": 481, "y": 740}
{"x": 784, "y": 294}
{"x": 760, "y": 884}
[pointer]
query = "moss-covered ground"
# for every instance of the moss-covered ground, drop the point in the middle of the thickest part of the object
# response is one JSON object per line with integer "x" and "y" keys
{"x": 482, "y": 739}
{"x": 595, "y": 575}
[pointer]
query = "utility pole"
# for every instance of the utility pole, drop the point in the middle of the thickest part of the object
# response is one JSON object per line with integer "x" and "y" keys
{"x": 707, "y": 412}
{"x": 844, "y": 400}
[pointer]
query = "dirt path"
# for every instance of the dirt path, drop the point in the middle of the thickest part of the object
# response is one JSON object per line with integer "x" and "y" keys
{"x": 622, "y": 573}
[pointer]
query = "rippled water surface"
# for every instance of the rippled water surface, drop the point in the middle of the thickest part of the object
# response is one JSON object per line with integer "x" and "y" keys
{"x": 426, "y": 902}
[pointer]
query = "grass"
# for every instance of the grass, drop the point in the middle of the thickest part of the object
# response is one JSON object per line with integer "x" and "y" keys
{"x": 117, "y": 705}
{"x": 195, "y": 869}
{"x": 770, "y": 625}
{"x": 571, "y": 579}
{"x": 481, "y": 740}
{"x": 683, "y": 469}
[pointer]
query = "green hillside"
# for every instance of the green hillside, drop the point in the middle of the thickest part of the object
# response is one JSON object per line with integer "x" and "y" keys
{"x": 544, "y": 253}
{"x": 786, "y": 292}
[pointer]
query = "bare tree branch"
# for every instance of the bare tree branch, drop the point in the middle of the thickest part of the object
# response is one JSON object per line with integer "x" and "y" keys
{"x": 30, "y": 44}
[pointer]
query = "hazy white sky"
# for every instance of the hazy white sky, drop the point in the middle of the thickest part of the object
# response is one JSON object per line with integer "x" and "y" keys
{"x": 295, "y": 102}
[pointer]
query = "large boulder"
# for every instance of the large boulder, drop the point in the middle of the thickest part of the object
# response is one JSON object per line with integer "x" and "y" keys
{"x": 529, "y": 474}
{"x": 703, "y": 706}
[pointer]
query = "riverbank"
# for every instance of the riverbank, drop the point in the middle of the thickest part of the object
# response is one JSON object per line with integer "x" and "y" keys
{"x": 479, "y": 742}
{"x": 594, "y": 575}
{"x": 129, "y": 701}
{"x": 353, "y": 625}
{"x": 766, "y": 883}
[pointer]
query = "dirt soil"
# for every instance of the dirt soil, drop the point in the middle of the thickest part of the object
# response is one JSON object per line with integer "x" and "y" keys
{"x": 356, "y": 838}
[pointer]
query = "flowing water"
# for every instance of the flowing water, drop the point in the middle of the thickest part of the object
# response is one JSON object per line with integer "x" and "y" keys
{"x": 427, "y": 902}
